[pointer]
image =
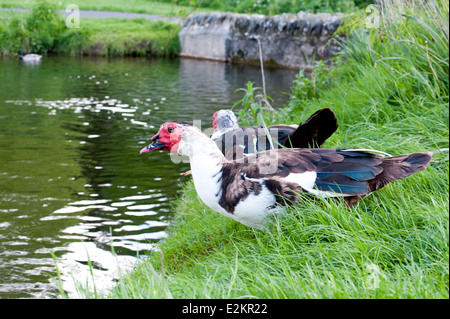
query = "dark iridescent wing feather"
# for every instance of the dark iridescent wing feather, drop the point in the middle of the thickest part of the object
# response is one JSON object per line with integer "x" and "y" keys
{"x": 314, "y": 132}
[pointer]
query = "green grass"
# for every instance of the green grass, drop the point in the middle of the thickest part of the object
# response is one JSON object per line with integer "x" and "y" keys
{"x": 137, "y": 6}
{"x": 272, "y": 7}
{"x": 44, "y": 31}
{"x": 384, "y": 248}
{"x": 137, "y": 37}
{"x": 170, "y": 7}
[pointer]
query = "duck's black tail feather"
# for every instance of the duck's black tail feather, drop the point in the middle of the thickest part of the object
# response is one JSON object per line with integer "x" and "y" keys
{"x": 314, "y": 132}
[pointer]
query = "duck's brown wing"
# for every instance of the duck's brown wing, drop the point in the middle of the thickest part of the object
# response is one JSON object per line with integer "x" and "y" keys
{"x": 342, "y": 172}
{"x": 324, "y": 172}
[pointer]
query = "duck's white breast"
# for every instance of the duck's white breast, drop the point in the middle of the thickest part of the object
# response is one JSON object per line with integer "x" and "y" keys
{"x": 254, "y": 210}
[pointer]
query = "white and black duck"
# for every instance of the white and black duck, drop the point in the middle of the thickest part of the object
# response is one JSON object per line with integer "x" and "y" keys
{"x": 254, "y": 187}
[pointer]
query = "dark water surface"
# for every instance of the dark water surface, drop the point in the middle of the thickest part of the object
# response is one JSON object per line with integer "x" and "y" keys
{"x": 72, "y": 181}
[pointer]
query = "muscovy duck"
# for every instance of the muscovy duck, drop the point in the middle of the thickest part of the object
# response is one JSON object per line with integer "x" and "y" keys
{"x": 223, "y": 121}
{"x": 252, "y": 188}
{"x": 235, "y": 142}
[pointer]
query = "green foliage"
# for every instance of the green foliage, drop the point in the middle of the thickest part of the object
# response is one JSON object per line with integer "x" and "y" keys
{"x": 72, "y": 41}
{"x": 307, "y": 86}
{"x": 13, "y": 36}
{"x": 272, "y": 7}
{"x": 165, "y": 8}
{"x": 384, "y": 78}
{"x": 252, "y": 105}
{"x": 44, "y": 31}
{"x": 183, "y": 7}
{"x": 304, "y": 91}
{"x": 44, "y": 27}
{"x": 137, "y": 37}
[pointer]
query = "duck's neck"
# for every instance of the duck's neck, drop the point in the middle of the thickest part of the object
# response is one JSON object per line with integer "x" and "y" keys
{"x": 206, "y": 164}
{"x": 204, "y": 153}
{"x": 222, "y": 131}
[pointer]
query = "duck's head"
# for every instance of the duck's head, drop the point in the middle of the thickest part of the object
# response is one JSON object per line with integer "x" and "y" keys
{"x": 174, "y": 137}
{"x": 20, "y": 53}
{"x": 224, "y": 120}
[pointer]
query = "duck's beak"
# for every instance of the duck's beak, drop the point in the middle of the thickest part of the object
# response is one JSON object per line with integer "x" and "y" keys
{"x": 155, "y": 145}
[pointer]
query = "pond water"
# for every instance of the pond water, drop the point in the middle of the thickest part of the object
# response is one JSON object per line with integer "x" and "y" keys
{"x": 72, "y": 182}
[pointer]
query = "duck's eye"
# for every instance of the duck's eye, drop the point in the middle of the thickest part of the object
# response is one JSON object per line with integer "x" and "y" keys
{"x": 170, "y": 129}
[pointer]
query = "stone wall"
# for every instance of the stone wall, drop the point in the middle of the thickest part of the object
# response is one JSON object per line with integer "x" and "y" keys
{"x": 290, "y": 40}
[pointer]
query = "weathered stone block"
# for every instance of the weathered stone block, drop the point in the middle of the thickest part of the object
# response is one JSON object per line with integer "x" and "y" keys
{"x": 292, "y": 40}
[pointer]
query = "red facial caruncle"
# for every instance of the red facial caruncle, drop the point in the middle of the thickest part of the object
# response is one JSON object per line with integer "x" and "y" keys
{"x": 214, "y": 117}
{"x": 166, "y": 139}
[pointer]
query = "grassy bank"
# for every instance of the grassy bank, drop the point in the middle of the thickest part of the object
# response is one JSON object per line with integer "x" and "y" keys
{"x": 171, "y": 7}
{"x": 390, "y": 94}
{"x": 137, "y": 37}
{"x": 44, "y": 31}
{"x": 272, "y": 7}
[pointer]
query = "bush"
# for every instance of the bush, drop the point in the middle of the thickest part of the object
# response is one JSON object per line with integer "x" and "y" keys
{"x": 42, "y": 31}
{"x": 44, "y": 27}
{"x": 14, "y": 36}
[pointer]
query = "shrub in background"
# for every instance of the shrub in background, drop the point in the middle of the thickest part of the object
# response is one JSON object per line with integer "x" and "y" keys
{"x": 42, "y": 31}
{"x": 44, "y": 27}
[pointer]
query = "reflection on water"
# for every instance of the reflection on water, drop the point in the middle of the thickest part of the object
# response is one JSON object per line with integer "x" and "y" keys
{"x": 72, "y": 181}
